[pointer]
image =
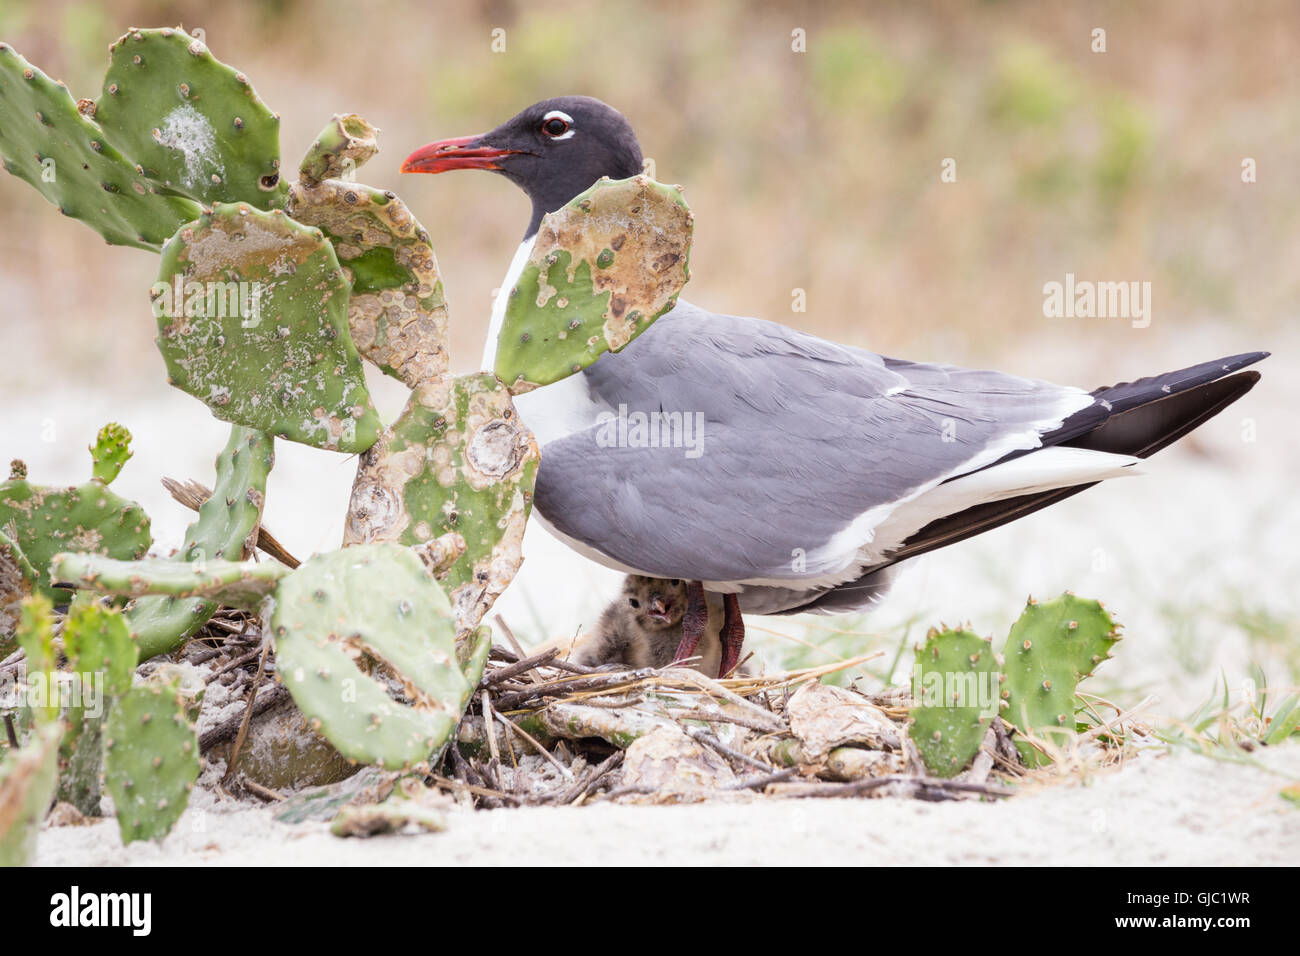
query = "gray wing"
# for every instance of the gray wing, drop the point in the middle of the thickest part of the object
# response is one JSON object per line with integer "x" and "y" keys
{"x": 804, "y": 446}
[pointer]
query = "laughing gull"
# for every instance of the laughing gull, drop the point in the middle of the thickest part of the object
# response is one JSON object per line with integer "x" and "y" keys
{"x": 805, "y": 470}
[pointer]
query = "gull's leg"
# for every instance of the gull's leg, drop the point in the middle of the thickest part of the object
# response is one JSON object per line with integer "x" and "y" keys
{"x": 733, "y": 635}
{"x": 694, "y": 621}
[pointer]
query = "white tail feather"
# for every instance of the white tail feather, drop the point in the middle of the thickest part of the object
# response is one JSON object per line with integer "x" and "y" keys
{"x": 1041, "y": 470}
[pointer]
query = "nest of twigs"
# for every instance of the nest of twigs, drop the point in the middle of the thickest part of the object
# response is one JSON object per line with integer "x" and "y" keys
{"x": 543, "y": 731}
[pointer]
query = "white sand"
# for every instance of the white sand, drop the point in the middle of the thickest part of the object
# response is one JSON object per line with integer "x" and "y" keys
{"x": 1166, "y": 810}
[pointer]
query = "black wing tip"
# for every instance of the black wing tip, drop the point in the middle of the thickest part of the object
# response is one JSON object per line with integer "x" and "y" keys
{"x": 1233, "y": 362}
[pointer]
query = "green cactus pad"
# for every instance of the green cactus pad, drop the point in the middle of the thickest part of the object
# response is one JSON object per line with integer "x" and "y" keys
{"x": 457, "y": 461}
{"x": 43, "y": 521}
{"x": 36, "y": 637}
{"x": 602, "y": 269}
{"x": 151, "y": 760}
{"x": 397, "y": 312}
{"x": 111, "y": 450}
{"x": 192, "y": 124}
{"x": 232, "y": 515}
{"x": 365, "y": 642}
{"x": 342, "y": 147}
{"x": 1050, "y": 649}
{"x": 231, "y": 583}
{"x": 17, "y": 576}
{"x": 45, "y": 141}
{"x": 271, "y": 349}
{"x": 101, "y": 655}
{"x": 97, "y": 640}
{"x": 27, "y": 779}
{"x": 472, "y": 652}
{"x": 226, "y": 529}
{"x": 955, "y": 683}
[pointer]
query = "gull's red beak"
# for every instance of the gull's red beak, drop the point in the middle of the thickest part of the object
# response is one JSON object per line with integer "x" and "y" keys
{"x": 463, "y": 152}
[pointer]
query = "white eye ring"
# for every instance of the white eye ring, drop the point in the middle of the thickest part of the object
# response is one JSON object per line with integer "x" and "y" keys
{"x": 562, "y": 116}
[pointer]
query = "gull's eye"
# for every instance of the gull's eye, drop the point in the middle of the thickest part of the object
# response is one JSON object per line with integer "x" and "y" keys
{"x": 634, "y": 602}
{"x": 557, "y": 124}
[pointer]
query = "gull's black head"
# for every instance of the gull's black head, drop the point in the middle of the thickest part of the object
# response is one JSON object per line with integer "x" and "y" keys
{"x": 553, "y": 151}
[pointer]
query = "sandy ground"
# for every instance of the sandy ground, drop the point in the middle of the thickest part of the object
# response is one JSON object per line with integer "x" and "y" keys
{"x": 1181, "y": 809}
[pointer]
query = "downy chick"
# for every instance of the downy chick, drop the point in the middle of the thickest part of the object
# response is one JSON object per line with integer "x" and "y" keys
{"x": 643, "y": 627}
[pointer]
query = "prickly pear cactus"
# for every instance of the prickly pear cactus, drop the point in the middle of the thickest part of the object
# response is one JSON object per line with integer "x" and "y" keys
{"x": 111, "y": 450}
{"x": 36, "y": 638}
{"x": 41, "y": 521}
{"x": 365, "y": 642}
{"x": 27, "y": 779}
{"x": 229, "y": 520}
{"x": 345, "y": 143}
{"x": 101, "y": 660}
{"x": 1050, "y": 649}
{"x": 226, "y": 529}
{"x": 472, "y": 655}
{"x": 955, "y": 681}
{"x": 601, "y": 270}
{"x": 458, "y": 461}
{"x": 151, "y": 759}
{"x": 397, "y": 313}
{"x": 232, "y": 583}
{"x": 17, "y": 577}
{"x": 96, "y": 640}
{"x": 252, "y": 320}
{"x": 194, "y": 125}
{"x": 67, "y": 157}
